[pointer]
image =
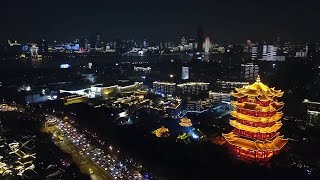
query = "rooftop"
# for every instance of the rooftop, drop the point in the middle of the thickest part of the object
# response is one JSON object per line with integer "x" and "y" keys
{"x": 258, "y": 89}
{"x": 276, "y": 144}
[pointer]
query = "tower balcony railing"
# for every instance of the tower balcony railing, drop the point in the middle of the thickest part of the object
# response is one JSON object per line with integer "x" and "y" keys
{"x": 256, "y": 124}
{"x": 262, "y": 103}
{"x": 252, "y": 135}
{"x": 255, "y": 113}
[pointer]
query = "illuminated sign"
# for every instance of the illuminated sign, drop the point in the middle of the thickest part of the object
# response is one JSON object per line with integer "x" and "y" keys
{"x": 25, "y": 48}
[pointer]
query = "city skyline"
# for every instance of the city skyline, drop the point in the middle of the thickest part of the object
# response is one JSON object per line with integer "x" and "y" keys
{"x": 165, "y": 21}
{"x": 159, "y": 90}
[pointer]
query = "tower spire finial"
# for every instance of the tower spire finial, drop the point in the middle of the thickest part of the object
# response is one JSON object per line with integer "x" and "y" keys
{"x": 258, "y": 79}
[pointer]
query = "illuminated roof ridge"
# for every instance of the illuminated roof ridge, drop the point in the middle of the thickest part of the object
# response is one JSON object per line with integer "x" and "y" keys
{"x": 258, "y": 89}
{"x": 276, "y": 144}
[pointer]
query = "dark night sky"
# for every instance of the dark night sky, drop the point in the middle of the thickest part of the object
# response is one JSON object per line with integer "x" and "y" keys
{"x": 223, "y": 20}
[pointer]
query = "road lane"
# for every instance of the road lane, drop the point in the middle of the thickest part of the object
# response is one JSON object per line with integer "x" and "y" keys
{"x": 84, "y": 162}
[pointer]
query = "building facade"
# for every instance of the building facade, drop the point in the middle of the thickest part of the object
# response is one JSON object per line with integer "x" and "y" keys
{"x": 266, "y": 52}
{"x": 164, "y": 88}
{"x": 207, "y": 45}
{"x": 198, "y": 106}
{"x": 312, "y": 112}
{"x": 193, "y": 88}
{"x": 185, "y": 73}
{"x": 228, "y": 86}
{"x": 249, "y": 71}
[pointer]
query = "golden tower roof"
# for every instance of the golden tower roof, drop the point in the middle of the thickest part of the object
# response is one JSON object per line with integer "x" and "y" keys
{"x": 258, "y": 89}
{"x": 276, "y": 144}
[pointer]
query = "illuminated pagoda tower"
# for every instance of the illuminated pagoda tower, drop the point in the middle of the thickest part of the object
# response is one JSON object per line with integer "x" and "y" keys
{"x": 256, "y": 122}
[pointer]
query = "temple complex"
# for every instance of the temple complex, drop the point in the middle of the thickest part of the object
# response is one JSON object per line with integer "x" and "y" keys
{"x": 185, "y": 122}
{"x": 161, "y": 132}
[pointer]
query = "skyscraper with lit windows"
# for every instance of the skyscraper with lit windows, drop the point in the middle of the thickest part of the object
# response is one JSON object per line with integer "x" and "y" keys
{"x": 185, "y": 73}
{"x": 207, "y": 45}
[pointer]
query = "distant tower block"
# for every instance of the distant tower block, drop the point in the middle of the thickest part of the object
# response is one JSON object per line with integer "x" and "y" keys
{"x": 249, "y": 72}
{"x": 34, "y": 51}
{"x": 145, "y": 44}
{"x": 200, "y": 38}
{"x": 207, "y": 45}
{"x": 185, "y": 73}
{"x": 183, "y": 41}
{"x": 257, "y": 120}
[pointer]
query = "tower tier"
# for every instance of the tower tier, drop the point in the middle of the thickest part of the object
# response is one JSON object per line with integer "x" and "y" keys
{"x": 275, "y": 117}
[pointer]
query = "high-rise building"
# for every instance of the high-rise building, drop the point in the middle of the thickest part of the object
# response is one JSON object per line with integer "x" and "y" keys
{"x": 190, "y": 88}
{"x": 312, "y": 112}
{"x": 254, "y": 53}
{"x": 228, "y": 86}
{"x": 191, "y": 44}
{"x": 249, "y": 45}
{"x": 266, "y": 53}
{"x": 198, "y": 105}
{"x": 95, "y": 41}
{"x": 249, "y": 71}
{"x": 43, "y": 46}
{"x": 269, "y": 52}
{"x": 311, "y": 51}
{"x": 298, "y": 50}
{"x": 257, "y": 120}
{"x": 90, "y": 65}
{"x": 207, "y": 45}
{"x": 193, "y": 88}
{"x": 34, "y": 51}
{"x": 278, "y": 42}
{"x": 98, "y": 41}
{"x": 183, "y": 41}
{"x": 185, "y": 73}
{"x": 164, "y": 88}
{"x": 161, "y": 47}
{"x": 145, "y": 45}
{"x": 200, "y": 39}
{"x": 84, "y": 44}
